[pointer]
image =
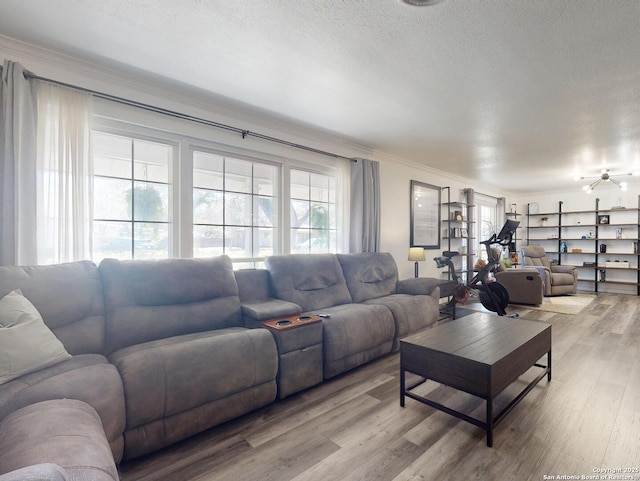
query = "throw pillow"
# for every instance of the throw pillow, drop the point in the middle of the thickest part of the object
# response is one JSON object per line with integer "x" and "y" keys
{"x": 26, "y": 343}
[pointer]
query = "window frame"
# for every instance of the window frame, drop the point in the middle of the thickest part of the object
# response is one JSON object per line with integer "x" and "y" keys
{"x": 149, "y": 135}
{"x": 215, "y": 150}
{"x": 187, "y": 138}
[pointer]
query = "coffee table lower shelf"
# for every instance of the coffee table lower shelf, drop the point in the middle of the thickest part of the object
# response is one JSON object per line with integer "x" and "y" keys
{"x": 405, "y": 391}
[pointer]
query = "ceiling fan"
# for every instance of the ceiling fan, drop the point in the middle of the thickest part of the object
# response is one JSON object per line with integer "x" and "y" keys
{"x": 604, "y": 176}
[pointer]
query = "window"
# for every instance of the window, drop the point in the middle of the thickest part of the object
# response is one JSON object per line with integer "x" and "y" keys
{"x": 171, "y": 192}
{"x": 487, "y": 224}
{"x": 235, "y": 207}
{"x": 312, "y": 212}
{"x": 131, "y": 202}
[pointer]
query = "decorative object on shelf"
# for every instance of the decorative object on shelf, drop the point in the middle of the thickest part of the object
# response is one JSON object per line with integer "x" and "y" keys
{"x": 603, "y": 219}
{"x": 563, "y": 247}
{"x": 603, "y": 248}
{"x": 416, "y": 254}
{"x": 425, "y": 215}
{"x": 604, "y": 176}
{"x": 617, "y": 264}
{"x": 543, "y": 221}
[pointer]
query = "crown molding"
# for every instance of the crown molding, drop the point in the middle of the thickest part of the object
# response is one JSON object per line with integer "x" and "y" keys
{"x": 125, "y": 82}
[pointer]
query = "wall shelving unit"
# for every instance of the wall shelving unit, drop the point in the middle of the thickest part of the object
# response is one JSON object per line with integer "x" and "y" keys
{"x": 513, "y": 246}
{"x": 457, "y": 221}
{"x": 601, "y": 243}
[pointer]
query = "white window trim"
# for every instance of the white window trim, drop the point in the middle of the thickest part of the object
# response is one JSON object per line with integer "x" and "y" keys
{"x": 187, "y": 137}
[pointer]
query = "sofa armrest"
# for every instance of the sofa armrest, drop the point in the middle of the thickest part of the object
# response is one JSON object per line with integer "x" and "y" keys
{"x": 255, "y": 312}
{"x": 545, "y": 273}
{"x": 564, "y": 270}
{"x": 37, "y": 472}
{"x": 425, "y": 286}
{"x": 508, "y": 273}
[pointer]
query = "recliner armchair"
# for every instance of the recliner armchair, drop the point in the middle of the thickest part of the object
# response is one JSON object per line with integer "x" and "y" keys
{"x": 557, "y": 279}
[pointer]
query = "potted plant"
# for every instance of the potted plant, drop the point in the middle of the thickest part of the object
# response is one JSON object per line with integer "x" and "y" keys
{"x": 543, "y": 221}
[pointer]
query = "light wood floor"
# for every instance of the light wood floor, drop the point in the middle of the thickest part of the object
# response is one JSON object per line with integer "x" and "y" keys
{"x": 353, "y": 428}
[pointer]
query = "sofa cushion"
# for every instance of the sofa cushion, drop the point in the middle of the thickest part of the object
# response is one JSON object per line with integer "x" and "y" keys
{"x": 167, "y": 378}
{"x": 369, "y": 275}
{"x": 312, "y": 281}
{"x": 86, "y": 377}
{"x": 411, "y": 313}
{"x": 355, "y": 334}
{"x": 68, "y": 297}
{"x": 66, "y": 432}
{"x": 26, "y": 343}
{"x": 149, "y": 300}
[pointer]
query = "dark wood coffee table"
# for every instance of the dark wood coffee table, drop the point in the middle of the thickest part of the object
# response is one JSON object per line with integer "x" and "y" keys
{"x": 480, "y": 354}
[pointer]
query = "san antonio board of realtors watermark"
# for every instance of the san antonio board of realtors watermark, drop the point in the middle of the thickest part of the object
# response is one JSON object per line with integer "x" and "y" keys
{"x": 600, "y": 474}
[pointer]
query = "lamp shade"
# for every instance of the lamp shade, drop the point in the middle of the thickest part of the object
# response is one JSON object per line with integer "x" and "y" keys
{"x": 416, "y": 254}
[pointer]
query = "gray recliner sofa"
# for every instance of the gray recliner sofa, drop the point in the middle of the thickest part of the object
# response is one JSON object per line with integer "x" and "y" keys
{"x": 174, "y": 331}
{"x": 165, "y": 349}
{"x": 69, "y": 298}
{"x": 159, "y": 354}
{"x": 557, "y": 280}
{"x": 368, "y": 308}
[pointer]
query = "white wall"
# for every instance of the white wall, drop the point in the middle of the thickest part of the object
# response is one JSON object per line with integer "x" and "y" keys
{"x": 396, "y": 174}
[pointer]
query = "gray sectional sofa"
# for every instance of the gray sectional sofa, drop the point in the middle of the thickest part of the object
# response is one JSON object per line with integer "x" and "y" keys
{"x": 161, "y": 350}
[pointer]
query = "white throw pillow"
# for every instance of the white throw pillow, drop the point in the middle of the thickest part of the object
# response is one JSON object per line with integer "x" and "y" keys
{"x": 26, "y": 343}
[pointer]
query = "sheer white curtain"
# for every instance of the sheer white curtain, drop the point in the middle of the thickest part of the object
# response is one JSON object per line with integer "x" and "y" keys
{"x": 65, "y": 175}
{"x": 17, "y": 168}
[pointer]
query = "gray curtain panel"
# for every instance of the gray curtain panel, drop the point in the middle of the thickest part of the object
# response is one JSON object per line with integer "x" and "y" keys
{"x": 17, "y": 167}
{"x": 365, "y": 206}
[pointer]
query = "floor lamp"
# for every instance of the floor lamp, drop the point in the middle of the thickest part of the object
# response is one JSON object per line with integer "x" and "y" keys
{"x": 416, "y": 254}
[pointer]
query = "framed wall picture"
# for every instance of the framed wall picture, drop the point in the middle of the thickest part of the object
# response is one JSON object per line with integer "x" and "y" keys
{"x": 603, "y": 219}
{"x": 425, "y": 215}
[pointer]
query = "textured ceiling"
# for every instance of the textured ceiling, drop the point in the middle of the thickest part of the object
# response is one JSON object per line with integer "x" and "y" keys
{"x": 523, "y": 94}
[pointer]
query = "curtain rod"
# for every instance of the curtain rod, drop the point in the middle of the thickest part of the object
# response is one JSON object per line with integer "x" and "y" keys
{"x": 191, "y": 118}
{"x": 487, "y": 195}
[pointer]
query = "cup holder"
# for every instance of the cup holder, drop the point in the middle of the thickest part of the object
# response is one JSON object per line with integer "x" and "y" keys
{"x": 284, "y": 322}
{"x": 304, "y": 318}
